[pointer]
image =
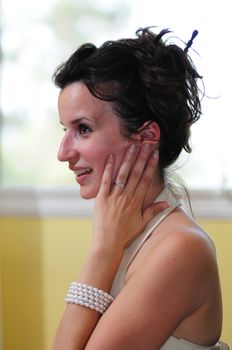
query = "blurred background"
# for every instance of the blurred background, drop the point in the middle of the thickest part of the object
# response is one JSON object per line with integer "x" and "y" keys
{"x": 44, "y": 227}
{"x": 37, "y": 36}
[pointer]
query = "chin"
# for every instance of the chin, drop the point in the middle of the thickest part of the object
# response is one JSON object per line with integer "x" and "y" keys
{"x": 87, "y": 194}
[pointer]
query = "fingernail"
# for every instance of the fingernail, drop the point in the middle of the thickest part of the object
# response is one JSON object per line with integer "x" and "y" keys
{"x": 132, "y": 148}
{"x": 163, "y": 205}
{"x": 110, "y": 158}
{"x": 146, "y": 147}
{"x": 155, "y": 154}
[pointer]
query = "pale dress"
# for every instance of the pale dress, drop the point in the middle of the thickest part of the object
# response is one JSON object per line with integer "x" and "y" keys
{"x": 120, "y": 279}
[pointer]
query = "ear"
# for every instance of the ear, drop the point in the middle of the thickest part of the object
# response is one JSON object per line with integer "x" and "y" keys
{"x": 148, "y": 133}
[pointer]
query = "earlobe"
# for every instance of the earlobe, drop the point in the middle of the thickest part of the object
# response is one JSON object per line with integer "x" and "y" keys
{"x": 149, "y": 132}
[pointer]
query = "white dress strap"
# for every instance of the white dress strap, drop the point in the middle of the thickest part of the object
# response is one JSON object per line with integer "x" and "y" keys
{"x": 180, "y": 344}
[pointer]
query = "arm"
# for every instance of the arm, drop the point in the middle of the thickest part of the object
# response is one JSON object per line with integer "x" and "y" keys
{"x": 173, "y": 284}
{"x": 113, "y": 230}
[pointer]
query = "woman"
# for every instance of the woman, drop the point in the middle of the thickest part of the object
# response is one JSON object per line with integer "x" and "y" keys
{"x": 127, "y": 108}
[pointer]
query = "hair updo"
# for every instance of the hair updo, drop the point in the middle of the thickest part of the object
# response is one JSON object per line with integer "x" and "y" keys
{"x": 146, "y": 79}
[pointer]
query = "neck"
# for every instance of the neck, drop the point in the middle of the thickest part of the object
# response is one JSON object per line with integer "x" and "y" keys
{"x": 152, "y": 193}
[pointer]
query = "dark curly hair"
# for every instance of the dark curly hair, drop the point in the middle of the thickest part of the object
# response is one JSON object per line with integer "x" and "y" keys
{"x": 146, "y": 79}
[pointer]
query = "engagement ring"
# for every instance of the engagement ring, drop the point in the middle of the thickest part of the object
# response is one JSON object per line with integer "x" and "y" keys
{"x": 120, "y": 184}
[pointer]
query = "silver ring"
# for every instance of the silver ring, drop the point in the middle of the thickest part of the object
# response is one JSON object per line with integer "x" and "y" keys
{"x": 120, "y": 184}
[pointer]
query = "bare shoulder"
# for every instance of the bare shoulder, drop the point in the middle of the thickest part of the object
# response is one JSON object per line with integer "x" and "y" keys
{"x": 187, "y": 242}
{"x": 178, "y": 239}
{"x": 183, "y": 241}
{"x": 184, "y": 253}
{"x": 187, "y": 247}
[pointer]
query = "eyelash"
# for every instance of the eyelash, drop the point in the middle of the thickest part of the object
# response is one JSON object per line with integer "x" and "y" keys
{"x": 80, "y": 129}
{"x": 85, "y": 127}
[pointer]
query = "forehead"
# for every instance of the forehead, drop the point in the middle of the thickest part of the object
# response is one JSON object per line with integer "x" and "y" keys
{"x": 75, "y": 101}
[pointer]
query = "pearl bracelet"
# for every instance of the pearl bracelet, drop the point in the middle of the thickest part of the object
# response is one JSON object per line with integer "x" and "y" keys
{"x": 91, "y": 297}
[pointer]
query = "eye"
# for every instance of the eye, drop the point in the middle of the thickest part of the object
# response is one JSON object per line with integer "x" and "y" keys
{"x": 84, "y": 129}
{"x": 64, "y": 129}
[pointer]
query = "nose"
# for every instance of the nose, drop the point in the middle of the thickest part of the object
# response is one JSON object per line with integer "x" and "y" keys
{"x": 67, "y": 150}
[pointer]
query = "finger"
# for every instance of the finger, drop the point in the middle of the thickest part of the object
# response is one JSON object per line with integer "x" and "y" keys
{"x": 125, "y": 168}
{"x": 154, "y": 210}
{"x": 138, "y": 168}
{"x": 106, "y": 181}
{"x": 148, "y": 174}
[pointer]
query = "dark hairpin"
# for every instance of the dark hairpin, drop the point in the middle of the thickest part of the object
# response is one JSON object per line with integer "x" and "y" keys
{"x": 189, "y": 43}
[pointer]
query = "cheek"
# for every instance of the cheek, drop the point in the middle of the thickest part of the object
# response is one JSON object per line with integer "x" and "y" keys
{"x": 98, "y": 155}
{"x": 119, "y": 156}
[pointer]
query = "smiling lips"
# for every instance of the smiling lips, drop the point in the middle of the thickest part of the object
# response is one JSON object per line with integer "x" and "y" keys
{"x": 81, "y": 172}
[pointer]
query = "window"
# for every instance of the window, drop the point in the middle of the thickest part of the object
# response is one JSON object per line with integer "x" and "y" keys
{"x": 36, "y": 38}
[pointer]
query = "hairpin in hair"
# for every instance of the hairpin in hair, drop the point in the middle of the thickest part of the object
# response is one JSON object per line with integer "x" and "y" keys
{"x": 189, "y": 43}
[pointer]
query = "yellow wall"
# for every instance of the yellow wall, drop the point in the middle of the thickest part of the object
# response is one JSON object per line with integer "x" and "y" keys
{"x": 221, "y": 232}
{"x": 40, "y": 257}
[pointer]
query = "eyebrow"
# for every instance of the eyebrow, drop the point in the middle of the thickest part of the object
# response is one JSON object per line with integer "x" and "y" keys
{"x": 77, "y": 120}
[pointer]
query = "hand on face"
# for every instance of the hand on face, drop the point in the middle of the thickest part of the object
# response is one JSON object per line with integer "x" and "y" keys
{"x": 119, "y": 216}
